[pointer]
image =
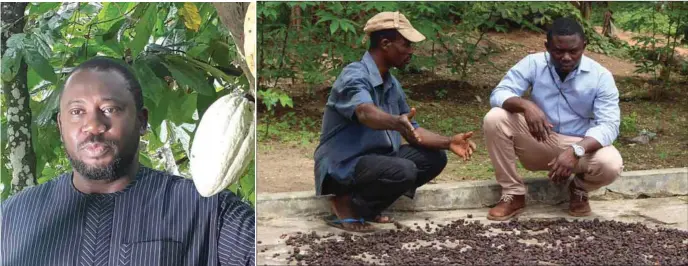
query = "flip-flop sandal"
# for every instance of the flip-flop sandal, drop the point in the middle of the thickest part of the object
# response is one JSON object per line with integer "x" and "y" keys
{"x": 333, "y": 221}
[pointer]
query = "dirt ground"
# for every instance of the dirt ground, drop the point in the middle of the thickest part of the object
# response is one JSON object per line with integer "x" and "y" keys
{"x": 285, "y": 162}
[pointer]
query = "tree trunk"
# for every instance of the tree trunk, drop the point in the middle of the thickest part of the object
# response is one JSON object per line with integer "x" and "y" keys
{"x": 232, "y": 16}
{"x": 17, "y": 98}
{"x": 585, "y": 8}
{"x": 296, "y": 18}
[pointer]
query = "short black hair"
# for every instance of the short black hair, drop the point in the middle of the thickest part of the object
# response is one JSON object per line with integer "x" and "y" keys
{"x": 565, "y": 27}
{"x": 377, "y": 36}
{"x": 101, "y": 63}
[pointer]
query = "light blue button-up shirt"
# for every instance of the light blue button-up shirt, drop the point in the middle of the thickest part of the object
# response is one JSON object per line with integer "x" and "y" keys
{"x": 590, "y": 89}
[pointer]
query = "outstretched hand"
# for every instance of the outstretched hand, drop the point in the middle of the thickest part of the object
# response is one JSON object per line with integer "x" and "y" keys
{"x": 462, "y": 146}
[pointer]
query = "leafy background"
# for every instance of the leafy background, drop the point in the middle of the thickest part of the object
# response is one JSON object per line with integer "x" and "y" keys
{"x": 182, "y": 54}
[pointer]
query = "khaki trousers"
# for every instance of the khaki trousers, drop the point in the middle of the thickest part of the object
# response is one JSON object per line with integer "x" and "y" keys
{"x": 508, "y": 138}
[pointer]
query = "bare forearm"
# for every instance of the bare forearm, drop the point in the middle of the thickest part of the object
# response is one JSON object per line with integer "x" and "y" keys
{"x": 432, "y": 140}
{"x": 590, "y": 144}
{"x": 372, "y": 117}
{"x": 516, "y": 105}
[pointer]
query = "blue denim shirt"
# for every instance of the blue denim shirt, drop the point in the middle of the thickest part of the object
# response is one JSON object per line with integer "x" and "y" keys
{"x": 590, "y": 90}
{"x": 343, "y": 140}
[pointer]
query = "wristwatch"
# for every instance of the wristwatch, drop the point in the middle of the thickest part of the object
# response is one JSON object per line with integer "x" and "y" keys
{"x": 578, "y": 150}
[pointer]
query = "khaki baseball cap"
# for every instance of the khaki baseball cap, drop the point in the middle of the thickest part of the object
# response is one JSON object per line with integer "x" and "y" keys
{"x": 393, "y": 20}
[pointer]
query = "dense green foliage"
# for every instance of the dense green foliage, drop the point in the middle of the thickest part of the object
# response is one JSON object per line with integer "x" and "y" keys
{"x": 310, "y": 42}
{"x": 181, "y": 53}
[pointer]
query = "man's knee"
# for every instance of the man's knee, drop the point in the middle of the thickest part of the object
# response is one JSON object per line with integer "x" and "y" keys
{"x": 403, "y": 171}
{"x": 438, "y": 161}
{"x": 494, "y": 118}
{"x": 609, "y": 165}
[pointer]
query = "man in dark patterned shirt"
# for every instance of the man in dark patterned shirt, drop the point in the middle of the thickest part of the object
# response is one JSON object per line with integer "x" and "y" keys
{"x": 111, "y": 210}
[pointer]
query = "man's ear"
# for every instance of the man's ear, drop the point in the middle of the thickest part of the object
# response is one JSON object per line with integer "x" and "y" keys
{"x": 385, "y": 43}
{"x": 142, "y": 118}
{"x": 59, "y": 123}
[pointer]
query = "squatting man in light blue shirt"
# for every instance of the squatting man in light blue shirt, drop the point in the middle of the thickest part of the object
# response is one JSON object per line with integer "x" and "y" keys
{"x": 567, "y": 126}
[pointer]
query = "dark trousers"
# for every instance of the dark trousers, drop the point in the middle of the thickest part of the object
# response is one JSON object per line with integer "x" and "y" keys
{"x": 379, "y": 180}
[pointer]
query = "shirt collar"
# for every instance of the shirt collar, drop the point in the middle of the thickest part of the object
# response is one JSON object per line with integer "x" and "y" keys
{"x": 374, "y": 72}
{"x": 68, "y": 183}
{"x": 584, "y": 64}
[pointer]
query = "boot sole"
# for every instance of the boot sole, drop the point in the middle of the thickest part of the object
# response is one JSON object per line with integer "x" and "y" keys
{"x": 580, "y": 214}
{"x": 506, "y": 217}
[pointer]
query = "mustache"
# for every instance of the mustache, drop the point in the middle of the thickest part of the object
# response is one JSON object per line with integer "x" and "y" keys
{"x": 97, "y": 140}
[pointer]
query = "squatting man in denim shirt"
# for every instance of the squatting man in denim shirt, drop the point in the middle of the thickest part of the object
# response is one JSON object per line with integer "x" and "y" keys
{"x": 360, "y": 158}
{"x": 567, "y": 127}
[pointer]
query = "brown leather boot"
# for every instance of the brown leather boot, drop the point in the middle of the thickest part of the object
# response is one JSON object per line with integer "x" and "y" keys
{"x": 508, "y": 206}
{"x": 578, "y": 204}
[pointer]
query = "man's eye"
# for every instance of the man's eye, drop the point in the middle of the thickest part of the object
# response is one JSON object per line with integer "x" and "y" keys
{"x": 76, "y": 112}
{"x": 110, "y": 110}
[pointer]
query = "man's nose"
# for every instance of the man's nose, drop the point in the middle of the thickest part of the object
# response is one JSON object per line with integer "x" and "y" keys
{"x": 566, "y": 57}
{"x": 95, "y": 124}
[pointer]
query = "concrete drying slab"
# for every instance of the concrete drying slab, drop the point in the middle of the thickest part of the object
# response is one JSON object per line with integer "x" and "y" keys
{"x": 671, "y": 212}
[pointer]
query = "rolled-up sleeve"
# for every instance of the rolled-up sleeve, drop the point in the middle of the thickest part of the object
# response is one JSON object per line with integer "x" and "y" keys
{"x": 516, "y": 81}
{"x": 606, "y": 111}
{"x": 349, "y": 95}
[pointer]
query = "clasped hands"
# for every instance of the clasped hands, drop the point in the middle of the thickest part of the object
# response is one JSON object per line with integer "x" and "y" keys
{"x": 459, "y": 144}
{"x": 561, "y": 167}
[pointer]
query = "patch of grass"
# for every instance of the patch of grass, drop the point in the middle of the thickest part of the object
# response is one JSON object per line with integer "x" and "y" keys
{"x": 289, "y": 128}
{"x": 628, "y": 124}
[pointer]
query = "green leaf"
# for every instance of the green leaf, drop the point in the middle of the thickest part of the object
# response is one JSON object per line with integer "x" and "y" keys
{"x": 182, "y": 106}
{"x": 158, "y": 114}
{"x": 203, "y": 102}
{"x": 187, "y": 76}
{"x": 285, "y": 100}
{"x": 144, "y": 29}
{"x": 197, "y": 50}
{"x": 188, "y": 107}
{"x": 16, "y": 41}
{"x": 219, "y": 74}
{"x": 112, "y": 10}
{"x": 189, "y": 12}
{"x": 151, "y": 85}
{"x": 247, "y": 183}
{"x": 41, "y": 8}
{"x": 111, "y": 34}
{"x": 39, "y": 41}
{"x": 38, "y": 63}
{"x": 333, "y": 26}
{"x": 145, "y": 160}
{"x": 11, "y": 62}
{"x": 220, "y": 52}
{"x": 206, "y": 11}
{"x": 51, "y": 105}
